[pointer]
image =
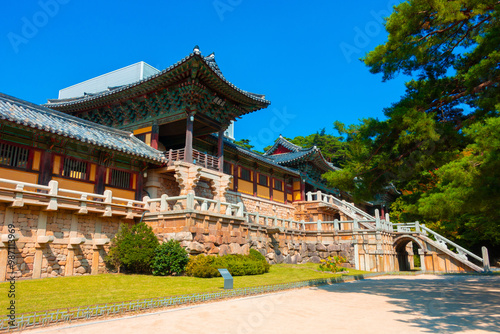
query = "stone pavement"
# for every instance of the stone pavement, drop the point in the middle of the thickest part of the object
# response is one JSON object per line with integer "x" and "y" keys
{"x": 388, "y": 304}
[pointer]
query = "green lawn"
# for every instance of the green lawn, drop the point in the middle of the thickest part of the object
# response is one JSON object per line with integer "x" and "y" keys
{"x": 52, "y": 293}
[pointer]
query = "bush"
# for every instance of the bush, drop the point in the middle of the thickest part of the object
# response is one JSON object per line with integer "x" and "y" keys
{"x": 237, "y": 265}
{"x": 201, "y": 266}
{"x": 169, "y": 258}
{"x": 133, "y": 249}
{"x": 332, "y": 264}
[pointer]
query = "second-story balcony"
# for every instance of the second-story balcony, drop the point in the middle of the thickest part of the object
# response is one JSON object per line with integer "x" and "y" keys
{"x": 199, "y": 158}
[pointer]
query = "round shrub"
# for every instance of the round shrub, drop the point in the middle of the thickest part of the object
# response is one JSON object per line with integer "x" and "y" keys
{"x": 170, "y": 257}
{"x": 201, "y": 266}
{"x": 132, "y": 249}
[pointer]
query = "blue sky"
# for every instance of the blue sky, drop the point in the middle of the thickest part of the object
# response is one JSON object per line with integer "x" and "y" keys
{"x": 302, "y": 56}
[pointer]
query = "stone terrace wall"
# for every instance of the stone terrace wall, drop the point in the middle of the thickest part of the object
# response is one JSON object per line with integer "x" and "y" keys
{"x": 262, "y": 206}
{"x": 203, "y": 234}
{"x": 57, "y": 258}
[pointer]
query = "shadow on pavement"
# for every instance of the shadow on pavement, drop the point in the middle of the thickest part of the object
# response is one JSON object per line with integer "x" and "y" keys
{"x": 444, "y": 304}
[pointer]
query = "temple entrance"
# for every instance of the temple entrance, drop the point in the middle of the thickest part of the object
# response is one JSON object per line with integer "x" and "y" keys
{"x": 408, "y": 250}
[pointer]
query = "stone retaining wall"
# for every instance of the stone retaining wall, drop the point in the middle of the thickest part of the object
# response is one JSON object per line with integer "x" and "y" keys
{"x": 59, "y": 257}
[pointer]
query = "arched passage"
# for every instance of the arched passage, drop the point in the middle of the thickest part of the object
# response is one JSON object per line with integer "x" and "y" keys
{"x": 404, "y": 262}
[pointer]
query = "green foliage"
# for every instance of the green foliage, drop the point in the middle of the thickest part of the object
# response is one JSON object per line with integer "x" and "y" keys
{"x": 202, "y": 266}
{"x": 245, "y": 143}
{"x": 331, "y": 146}
{"x": 332, "y": 264}
{"x": 133, "y": 248}
{"x": 170, "y": 257}
{"x": 237, "y": 265}
{"x": 438, "y": 144}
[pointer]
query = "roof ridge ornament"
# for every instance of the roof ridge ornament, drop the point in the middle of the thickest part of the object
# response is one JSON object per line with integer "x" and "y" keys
{"x": 196, "y": 50}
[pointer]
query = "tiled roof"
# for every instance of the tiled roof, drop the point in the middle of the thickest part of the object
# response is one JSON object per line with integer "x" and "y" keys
{"x": 254, "y": 155}
{"x": 297, "y": 153}
{"x": 38, "y": 117}
{"x": 286, "y": 144}
{"x": 290, "y": 157}
{"x": 152, "y": 80}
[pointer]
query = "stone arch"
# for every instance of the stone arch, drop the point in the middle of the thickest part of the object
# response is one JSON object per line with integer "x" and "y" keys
{"x": 402, "y": 256}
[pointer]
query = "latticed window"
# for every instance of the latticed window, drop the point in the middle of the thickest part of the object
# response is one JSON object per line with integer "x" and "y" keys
{"x": 278, "y": 185}
{"x": 227, "y": 168}
{"x": 120, "y": 178}
{"x": 263, "y": 180}
{"x": 245, "y": 174}
{"x": 75, "y": 169}
{"x": 14, "y": 156}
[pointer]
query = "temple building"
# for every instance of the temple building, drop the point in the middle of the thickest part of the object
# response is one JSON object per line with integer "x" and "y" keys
{"x": 139, "y": 144}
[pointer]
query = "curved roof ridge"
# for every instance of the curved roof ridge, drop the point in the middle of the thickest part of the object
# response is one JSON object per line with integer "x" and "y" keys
{"x": 287, "y": 144}
{"x": 209, "y": 61}
{"x": 42, "y": 118}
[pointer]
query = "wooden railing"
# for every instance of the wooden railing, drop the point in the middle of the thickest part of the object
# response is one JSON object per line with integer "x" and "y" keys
{"x": 53, "y": 198}
{"x": 199, "y": 158}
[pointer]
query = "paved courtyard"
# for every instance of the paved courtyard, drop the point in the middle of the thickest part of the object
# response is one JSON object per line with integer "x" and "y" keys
{"x": 391, "y": 304}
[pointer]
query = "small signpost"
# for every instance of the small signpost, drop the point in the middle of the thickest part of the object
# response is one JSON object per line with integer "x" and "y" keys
{"x": 228, "y": 279}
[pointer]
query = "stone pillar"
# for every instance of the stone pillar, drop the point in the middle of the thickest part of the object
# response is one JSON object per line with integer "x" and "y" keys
{"x": 188, "y": 150}
{"x": 220, "y": 150}
{"x": 41, "y": 229}
{"x": 95, "y": 249}
{"x": 70, "y": 259}
{"x": 73, "y": 233}
{"x": 4, "y": 246}
{"x": 4, "y": 252}
{"x": 153, "y": 185}
{"x": 486, "y": 259}
{"x": 422, "y": 259}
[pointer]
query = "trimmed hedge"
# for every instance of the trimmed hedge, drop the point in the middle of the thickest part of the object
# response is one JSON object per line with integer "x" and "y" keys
{"x": 238, "y": 265}
{"x": 169, "y": 258}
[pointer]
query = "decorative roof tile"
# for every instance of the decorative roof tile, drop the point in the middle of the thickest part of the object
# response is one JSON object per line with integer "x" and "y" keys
{"x": 38, "y": 117}
{"x": 153, "y": 80}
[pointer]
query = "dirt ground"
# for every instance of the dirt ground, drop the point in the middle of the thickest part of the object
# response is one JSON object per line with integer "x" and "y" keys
{"x": 387, "y": 304}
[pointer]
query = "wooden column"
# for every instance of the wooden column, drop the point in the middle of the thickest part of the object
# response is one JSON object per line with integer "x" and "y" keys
{"x": 188, "y": 150}
{"x": 155, "y": 135}
{"x": 255, "y": 183}
{"x": 46, "y": 165}
{"x": 100, "y": 179}
{"x": 220, "y": 150}
{"x": 302, "y": 189}
{"x": 235, "y": 176}
{"x": 285, "y": 184}
{"x": 271, "y": 184}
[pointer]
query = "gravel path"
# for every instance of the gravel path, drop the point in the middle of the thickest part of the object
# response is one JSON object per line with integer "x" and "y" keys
{"x": 387, "y": 304}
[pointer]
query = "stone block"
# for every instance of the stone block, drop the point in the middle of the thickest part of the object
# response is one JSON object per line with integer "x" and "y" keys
{"x": 262, "y": 251}
{"x": 235, "y": 248}
{"x": 80, "y": 270}
{"x": 214, "y": 250}
{"x": 320, "y": 248}
{"x": 315, "y": 259}
{"x": 195, "y": 248}
{"x": 223, "y": 250}
{"x": 311, "y": 247}
{"x": 333, "y": 248}
{"x": 245, "y": 249}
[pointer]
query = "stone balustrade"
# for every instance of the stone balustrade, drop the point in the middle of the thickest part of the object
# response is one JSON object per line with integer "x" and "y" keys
{"x": 53, "y": 198}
